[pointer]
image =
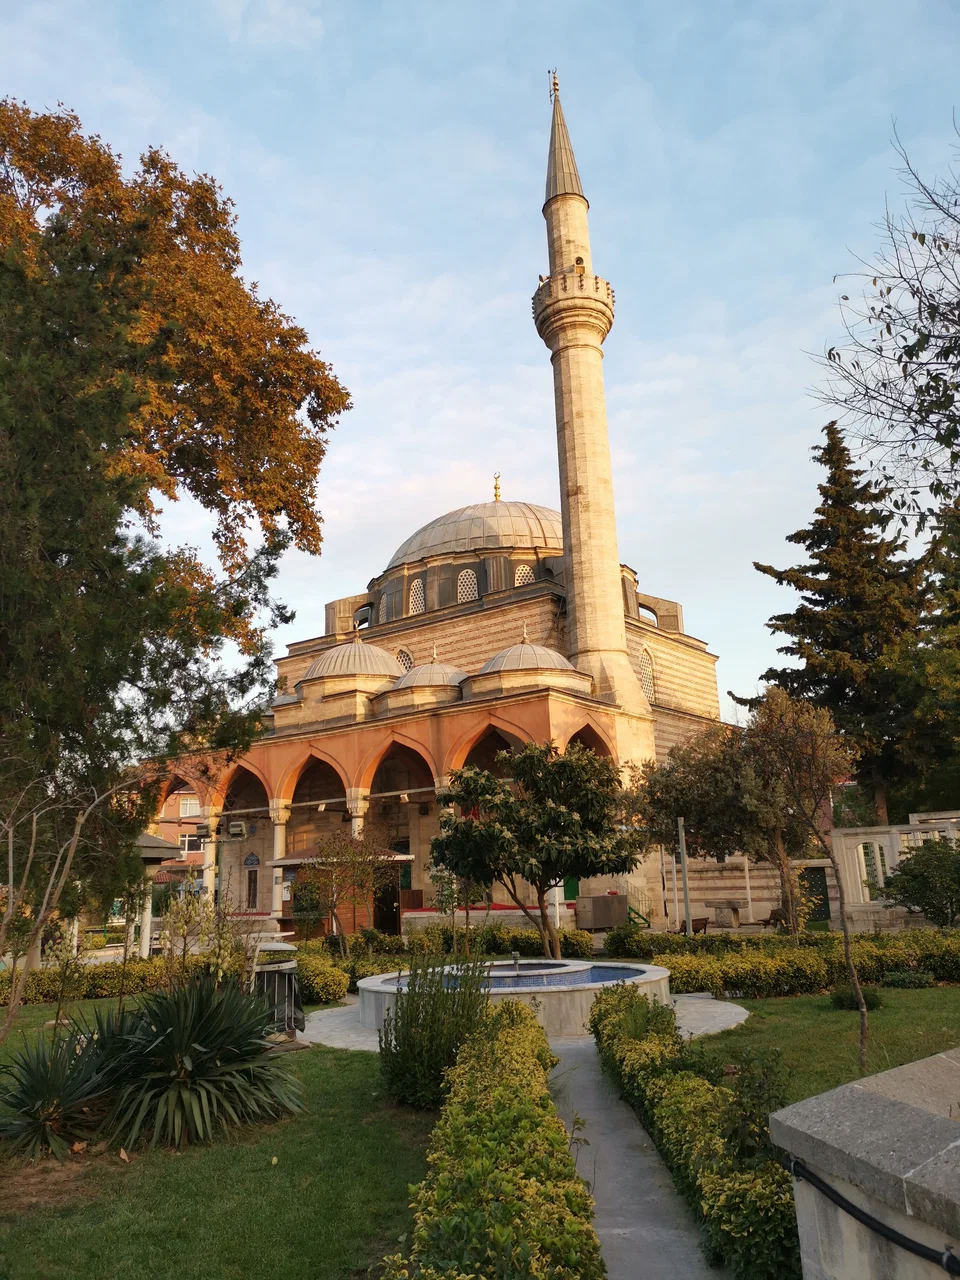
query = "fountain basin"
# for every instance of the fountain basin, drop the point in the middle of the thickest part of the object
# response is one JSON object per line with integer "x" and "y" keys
{"x": 560, "y": 992}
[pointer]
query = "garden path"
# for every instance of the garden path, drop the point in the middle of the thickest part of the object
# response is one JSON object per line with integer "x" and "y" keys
{"x": 646, "y": 1230}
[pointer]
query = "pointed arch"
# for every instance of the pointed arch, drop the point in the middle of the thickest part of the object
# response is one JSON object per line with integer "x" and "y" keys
{"x": 513, "y": 733}
{"x": 377, "y": 755}
{"x": 588, "y": 735}
{"x": 245, "y": 788}
{"x": 288, "y": 782}
{"x": 218, "y": 793}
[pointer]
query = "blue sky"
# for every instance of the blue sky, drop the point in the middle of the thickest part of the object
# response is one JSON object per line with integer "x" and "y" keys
{"x": 387, "y": 160}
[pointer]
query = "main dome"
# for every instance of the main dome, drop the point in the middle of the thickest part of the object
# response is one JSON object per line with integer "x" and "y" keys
{"x": 484, "y": 526}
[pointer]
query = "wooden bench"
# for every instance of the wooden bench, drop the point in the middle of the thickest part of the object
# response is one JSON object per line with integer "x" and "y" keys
{"x": 697, "y": 925}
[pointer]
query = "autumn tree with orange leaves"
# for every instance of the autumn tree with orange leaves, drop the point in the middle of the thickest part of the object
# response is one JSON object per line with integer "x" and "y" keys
{"x": 135, "y": 364}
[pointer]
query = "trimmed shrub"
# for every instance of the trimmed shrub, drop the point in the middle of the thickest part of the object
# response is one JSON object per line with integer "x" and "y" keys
{"x": 320, "y": 981}
{"x": 503, "y": 1197}
{"x": 846, "y": 998}
{"x": 712, "y": 1137}
{"x": 576, "y": 944}
{"x": 908, "y": 979}
{"x": 364, "y": 966}
{"x": 423, "y": 1034}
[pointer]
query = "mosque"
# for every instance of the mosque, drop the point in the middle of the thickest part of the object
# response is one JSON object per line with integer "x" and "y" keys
{"x": 493, "y": 625}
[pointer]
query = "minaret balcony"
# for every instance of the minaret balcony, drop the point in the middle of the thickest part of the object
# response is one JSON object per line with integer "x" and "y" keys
{"x": 572, "y": 297}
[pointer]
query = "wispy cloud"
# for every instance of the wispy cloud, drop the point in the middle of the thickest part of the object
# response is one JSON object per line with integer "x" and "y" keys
{"x": 271, "y": 23}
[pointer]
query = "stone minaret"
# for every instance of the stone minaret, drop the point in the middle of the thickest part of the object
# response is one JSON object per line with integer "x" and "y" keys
{"x": 573, "y": 310}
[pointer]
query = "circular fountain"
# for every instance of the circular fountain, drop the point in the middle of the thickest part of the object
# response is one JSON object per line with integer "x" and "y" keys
{"x": 559, "y": 991}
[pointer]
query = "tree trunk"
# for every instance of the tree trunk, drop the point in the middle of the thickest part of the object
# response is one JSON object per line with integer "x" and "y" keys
{"x": 879, "y": 789}
{"x": 551, "y": 939}
{"x": 466, "y": 927}
{"x": 851, "y": 967}
{"x": 788, "y": 887}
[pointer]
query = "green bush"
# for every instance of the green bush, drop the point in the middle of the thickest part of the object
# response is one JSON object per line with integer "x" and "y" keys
{"x": 846, "y": 998}
{"x": 908, "y": 979}
{"x": 320, "y": 981}
{"x": 364, "y": 966}
{"x": 503, "y": 1197}
{"x": 576, "y": 944}
{"x": 196, "y": 1062}
{"x": 55, "y": 1094}
{"x": 422, "y": 1035}
{"x": 712, "y": 1137}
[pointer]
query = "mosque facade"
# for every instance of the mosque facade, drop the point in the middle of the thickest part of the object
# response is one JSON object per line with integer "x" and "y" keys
{"x": 493, "y": 625}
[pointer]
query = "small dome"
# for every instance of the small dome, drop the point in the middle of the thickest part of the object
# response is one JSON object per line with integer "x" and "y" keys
{"x": 526, "y": 657}
{"x": 354, "y": 659}
{"x": 431, "y": 673}
{"x": 484, "y": 526}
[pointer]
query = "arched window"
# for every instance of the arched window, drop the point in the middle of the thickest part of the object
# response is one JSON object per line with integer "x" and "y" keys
{"x": 645, "y": 672}
{"x": 382, "y": 615}
{"x": 523, "y": 576}
{"x": 417, "y": 599}
{"x": 405, "y": 659}
{"x": 251, "y": 863}
{"x": 467, "y": 586}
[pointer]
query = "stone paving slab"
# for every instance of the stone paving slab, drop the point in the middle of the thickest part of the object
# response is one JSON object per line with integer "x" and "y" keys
{"x": 340, "y": 1028}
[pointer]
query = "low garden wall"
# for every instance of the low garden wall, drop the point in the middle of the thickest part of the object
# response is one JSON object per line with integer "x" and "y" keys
{"x": 503, "y": 1196}
{"x": 711, "y": 1138}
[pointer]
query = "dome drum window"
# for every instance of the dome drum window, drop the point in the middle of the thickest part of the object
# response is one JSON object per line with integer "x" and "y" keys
{"x": 382, "y": 614}
{"x": 467, "y": 587}
{"x": 523, "y": 576}
{"x": 405, "y": 659}
{"x": 418, "y": 600}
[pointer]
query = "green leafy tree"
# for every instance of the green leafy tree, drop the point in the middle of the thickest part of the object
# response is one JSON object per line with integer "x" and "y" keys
{"x": 928, "y": 881}
{"x": 799, "y": 744}
{"x": 860, "y": 606}
{"x": 562, "y": 815}
{"x": 731, "y": 801}
{"x": 347, "y": 871}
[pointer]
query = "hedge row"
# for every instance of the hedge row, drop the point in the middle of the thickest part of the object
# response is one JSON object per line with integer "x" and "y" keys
{"x": 745, "y": 1205}
{"x": 503, "y": 1197}
{"x": 320, "y": 981}
{"x": 438, "y": 939}
{"x": 631, "y": 942}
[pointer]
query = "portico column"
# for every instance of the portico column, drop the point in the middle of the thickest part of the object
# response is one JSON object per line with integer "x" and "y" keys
{"x": 279, "y": 816}
{"x": 211, "y": 817}
{"x": 358, "y": 802}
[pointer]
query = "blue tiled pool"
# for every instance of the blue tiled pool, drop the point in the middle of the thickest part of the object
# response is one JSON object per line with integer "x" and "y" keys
{"x": 546, "y": 974}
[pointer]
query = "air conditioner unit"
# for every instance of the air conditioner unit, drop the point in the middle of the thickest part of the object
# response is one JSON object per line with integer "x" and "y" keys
{"x": 237, "y": 830}
{"x": 202, "y": 829}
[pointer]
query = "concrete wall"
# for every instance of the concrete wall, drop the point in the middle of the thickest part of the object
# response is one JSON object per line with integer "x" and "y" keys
{"x": 890, "y": 1144}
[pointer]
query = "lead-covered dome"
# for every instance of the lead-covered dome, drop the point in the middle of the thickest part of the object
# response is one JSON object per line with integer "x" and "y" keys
{"x": 431, "y": 674}
{"x": 484, "y": 526}
{"x": 526, "y": 657}
{"x": 354, "y": 659}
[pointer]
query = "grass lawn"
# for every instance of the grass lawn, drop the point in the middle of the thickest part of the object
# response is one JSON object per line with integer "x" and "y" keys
{"x": 819, "y": 1043}
{"x": 334, "y": 1202}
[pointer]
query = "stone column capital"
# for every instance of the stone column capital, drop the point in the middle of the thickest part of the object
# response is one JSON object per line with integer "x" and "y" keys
{"x": 279, "y": 811}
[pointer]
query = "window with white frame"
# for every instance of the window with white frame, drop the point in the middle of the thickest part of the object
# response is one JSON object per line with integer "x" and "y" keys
{"x": 405, "y": 659}
{"x": 189, "y": 806}
{"x": 467, "y": 588}
{"x": 523, "y": 576}
{"x": 418, "y": 600}
{"x": 191, "y": 843}
{"x": 645, "y": 672}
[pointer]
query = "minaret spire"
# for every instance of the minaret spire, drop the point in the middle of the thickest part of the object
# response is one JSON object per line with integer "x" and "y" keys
{"x": 573, "y": 311}
{"x": 563, "y": 178}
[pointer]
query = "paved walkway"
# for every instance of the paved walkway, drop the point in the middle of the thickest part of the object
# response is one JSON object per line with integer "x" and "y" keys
{"x": 340, "y": 1028}
{"x": 647, "y": 1232}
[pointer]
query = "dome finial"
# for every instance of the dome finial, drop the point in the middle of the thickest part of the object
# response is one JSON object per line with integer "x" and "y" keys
{"x": 496, "y": 486}
{"x": 356, "y": 633}
{"x": 554, "y": 84}
{"x": 523, "y": 638}
{"x": 435, "y": 659}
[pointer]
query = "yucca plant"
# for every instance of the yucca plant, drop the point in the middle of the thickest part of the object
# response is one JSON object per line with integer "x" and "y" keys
{"x": 442, "y": 1006}
{"x": 196, "y": 1062}
{"x": 54, "y": 1092}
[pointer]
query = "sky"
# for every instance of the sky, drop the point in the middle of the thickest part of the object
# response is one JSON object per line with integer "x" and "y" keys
{"x": 387, "y": 160}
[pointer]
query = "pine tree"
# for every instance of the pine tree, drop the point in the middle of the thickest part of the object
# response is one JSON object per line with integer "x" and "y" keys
{"x": 861, "y": 603}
